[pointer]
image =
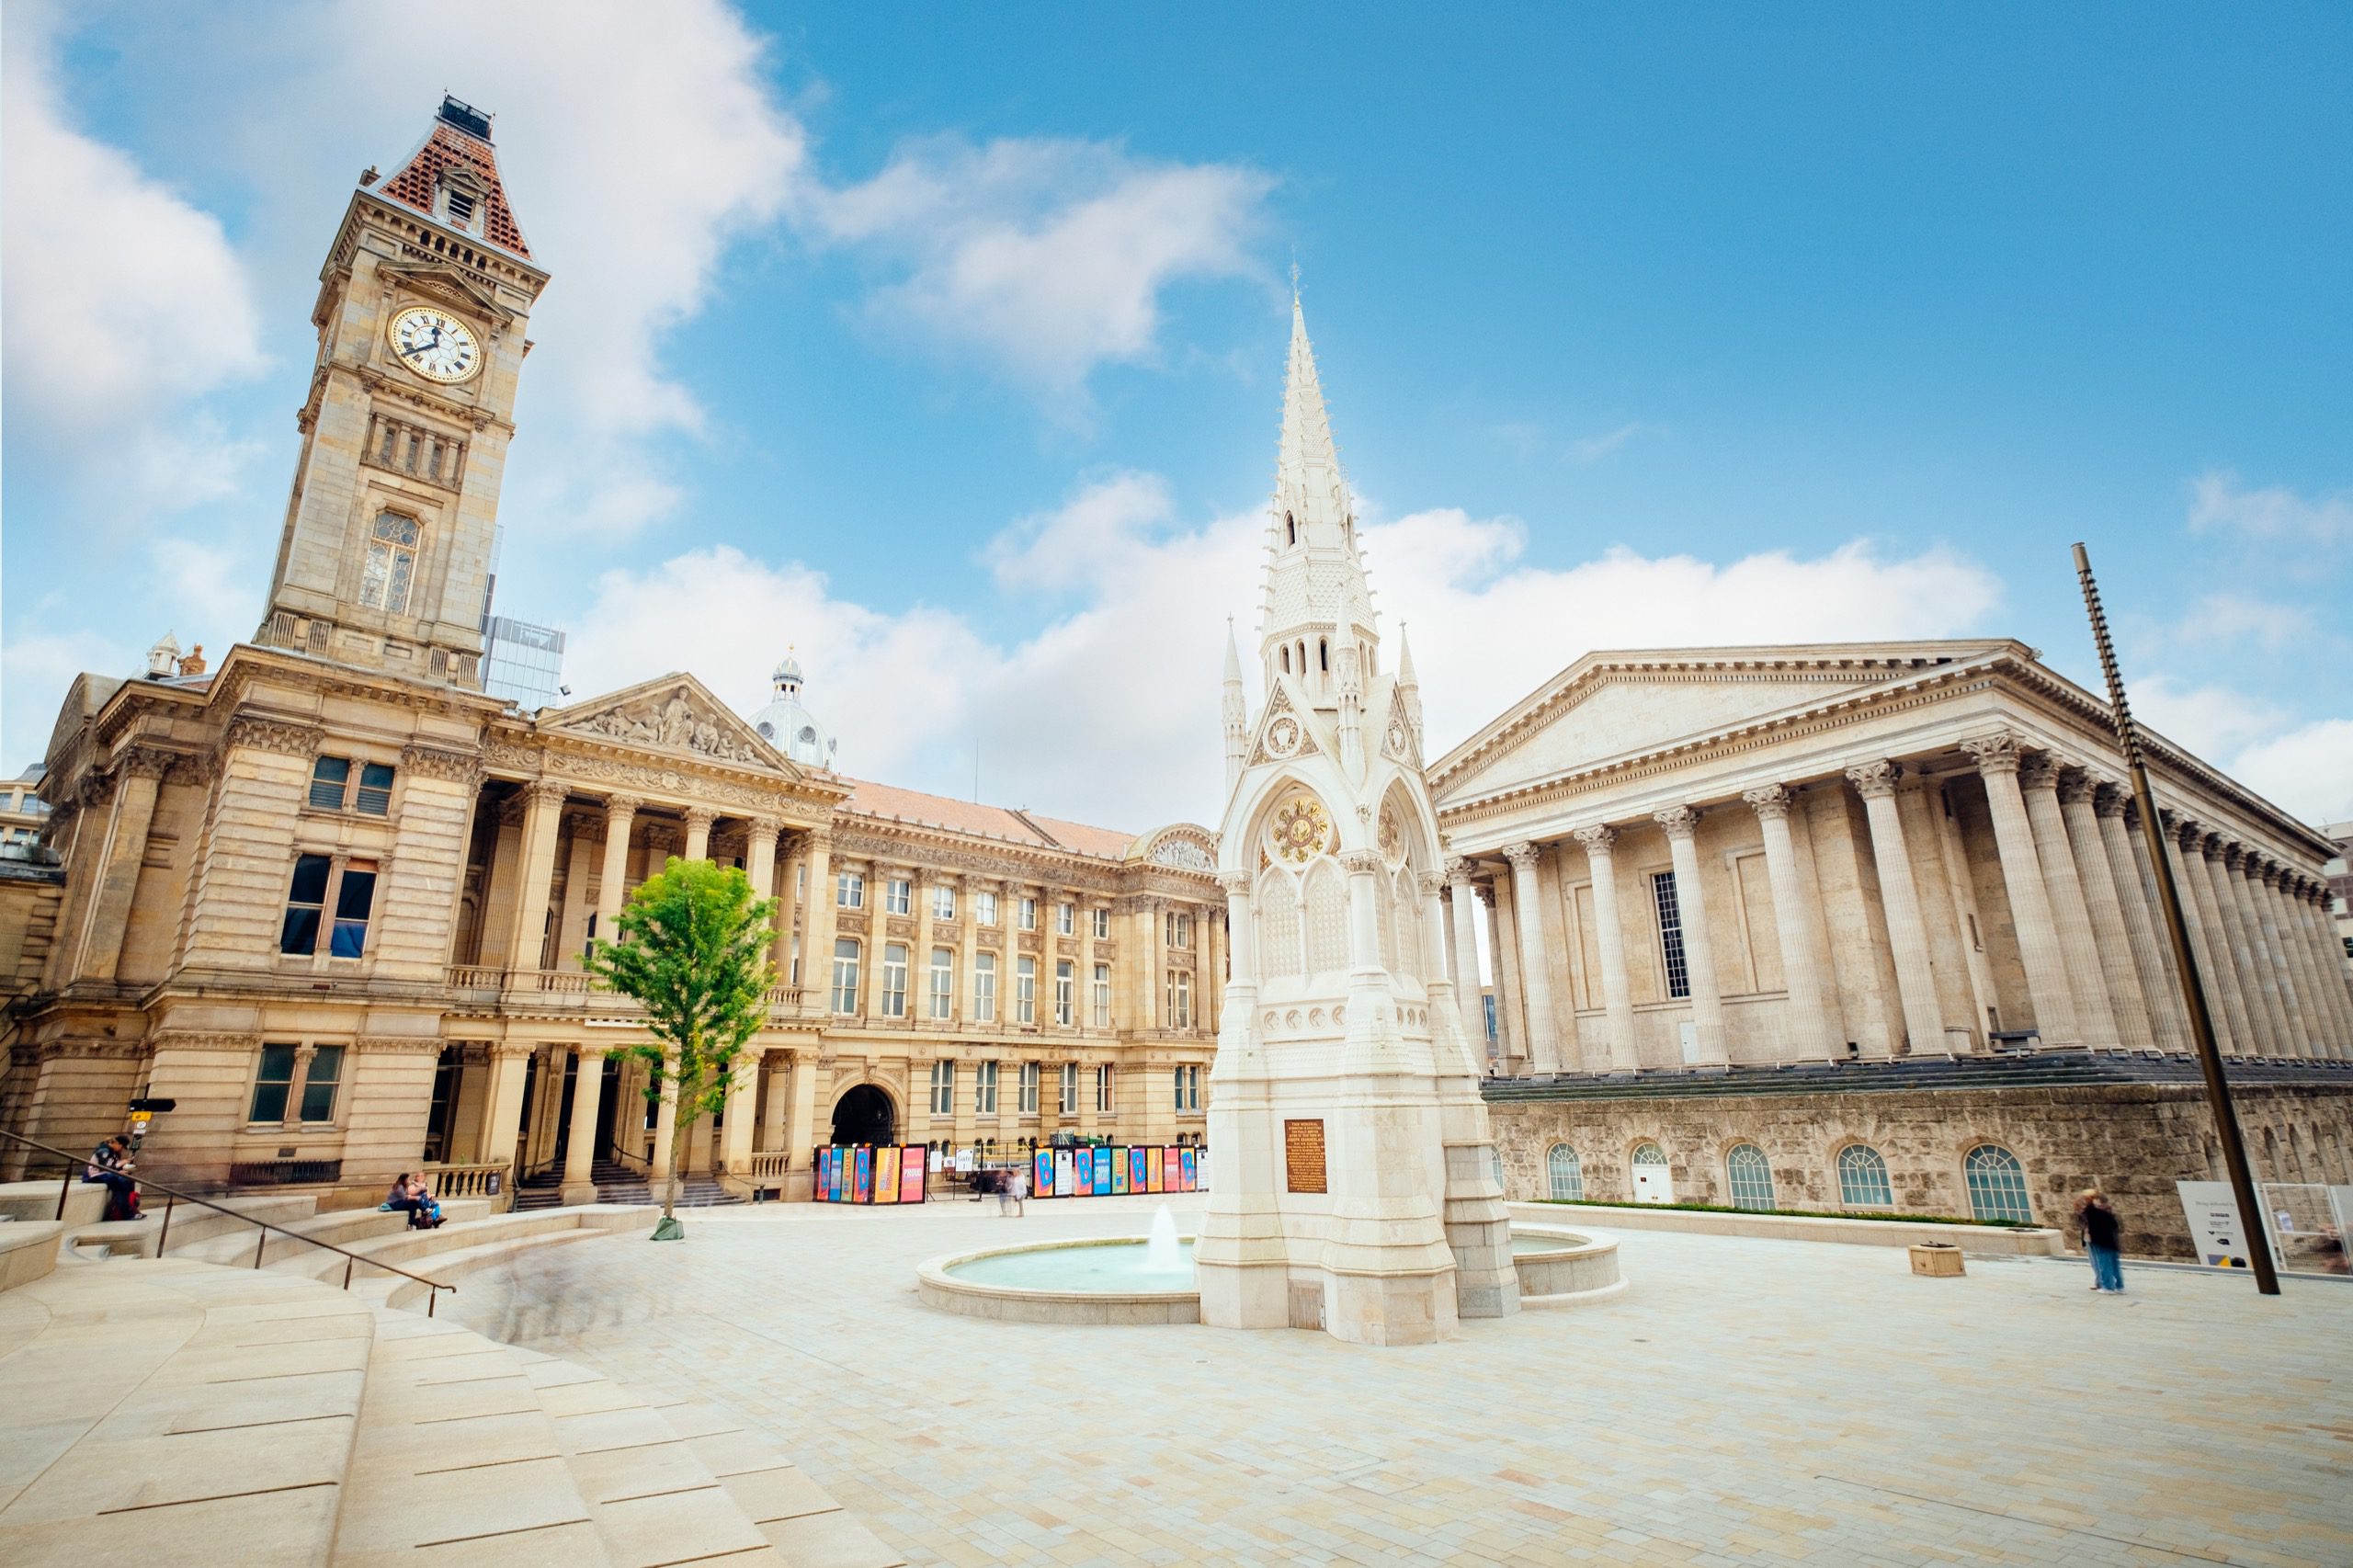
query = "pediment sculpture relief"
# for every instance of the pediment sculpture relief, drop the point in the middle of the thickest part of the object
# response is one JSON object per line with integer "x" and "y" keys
{"x": 672, "y": 718}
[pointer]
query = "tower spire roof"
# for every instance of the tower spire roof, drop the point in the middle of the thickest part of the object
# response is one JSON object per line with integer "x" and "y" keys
{"x": 452, "y": 177}
{"x": 1317, "y": 596}
{"x": 1308, "y": 480}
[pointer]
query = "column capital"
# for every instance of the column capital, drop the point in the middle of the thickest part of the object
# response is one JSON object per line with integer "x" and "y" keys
{"x": 1431, "y": 883}
{"x": 1237, "y": 884}
{"x": 1772, "y": 803}
{"x": 1874, "y": 780}
{"x": 1596, "y": 839}
{"x": 2211, "y": 844}
{"x": 1364, "y": 861}
{"x": 768, "y": 828}
{"x": 701, "y": 817}
{"x": 546, "y": 791}
{"x": 1997, "y": 753}
{"x": 2270, "y": 871}
{"x": 1680, "y": 822}
{"x": 588, "y": 1053}
{"x": 621, "y": 807}
{"x": 2076, "y": 785}
{"x": 2038, "y": 770}
{"x": 662, "y": 837}
{"x": 1522, "y": 855}
{"x": 2235, "y": 855}
{"x": 2108, "y": 799}
{"x": 1460, "y": 869}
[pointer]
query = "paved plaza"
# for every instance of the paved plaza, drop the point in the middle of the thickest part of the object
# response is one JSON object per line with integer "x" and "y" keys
{"x": 1743, "y": 1401}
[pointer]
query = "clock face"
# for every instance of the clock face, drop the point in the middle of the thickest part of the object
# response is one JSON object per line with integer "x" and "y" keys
{"x": 434, "y": 344}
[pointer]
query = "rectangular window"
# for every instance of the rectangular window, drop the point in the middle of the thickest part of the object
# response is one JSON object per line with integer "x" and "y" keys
{"x": 306, "y": 905}
{"x": 943, "y": 982}
{"x": 984, "y": 909}
{"x": 898, "y": 896}
{"x": 1066, "y": 919}
{"x": 796, "y": 958}
{"x": 1180, "y": 929}
{"x": 375, "y": 797}
{"x": 1065, "y": 992}
{"x": 1069, "y": 1098}
{"x": 319, "y": 1084}
{"x": 985, "y": 1089}
{"x": 352, "y": 900}
{"x": 1181, "y": 1000}
{"x": 849, "y": 889}
{"x": 330, "y": 776}
{"x": 844, "y": 976}
{"x": 1102, "y": 918}
{"x": 273, "y": 1083}
{"x": 1103, "y": 1089}
{"x": 1025, "y": 992}
{"x": 985, "y": 988}
{"x": 1180, "y": 1088}
{"x": 1192, "y": 1088}
{"x": 1670, "y": 934}
{"x": 1028, "y": 1088}
{"x": 943, "y": 904}
{"x": 895, "y": 981}
{"x": 943, "y": 1088}
{"x": 1102, "y": 996}
{"x": 1028, "y": 915}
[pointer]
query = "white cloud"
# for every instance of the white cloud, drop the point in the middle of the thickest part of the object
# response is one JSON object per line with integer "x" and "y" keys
{"x": 2213, "y": 720}
{"x": 2232, "y": 617}
{"x": 1047, "y": 257}
{"x": 124, "y": 302}
{"x": 1110, "y": 713}
{"x": 1593, "y": 448}
{"x": 2219, "y": 502}
{"x": 2308, "y": 770}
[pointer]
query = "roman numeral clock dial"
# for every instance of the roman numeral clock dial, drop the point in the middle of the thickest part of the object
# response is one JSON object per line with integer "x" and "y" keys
{"x": 434, "y": 344}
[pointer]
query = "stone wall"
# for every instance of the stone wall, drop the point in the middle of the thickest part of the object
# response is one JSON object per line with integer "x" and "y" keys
{"x": 2134, "y": 1139}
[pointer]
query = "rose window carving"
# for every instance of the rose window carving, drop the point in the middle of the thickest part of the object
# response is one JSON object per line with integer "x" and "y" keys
{"x": 1302, "y": 831}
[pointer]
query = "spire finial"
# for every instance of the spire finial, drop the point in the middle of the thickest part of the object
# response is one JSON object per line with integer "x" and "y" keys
{"x": 1294, "y": 275}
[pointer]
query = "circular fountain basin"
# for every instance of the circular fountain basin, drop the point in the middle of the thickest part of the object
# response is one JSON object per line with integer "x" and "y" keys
{"x": 1105, "y": 1280}
{"x": 1099, "y": 1280}
{"x": 1564, "y": 1269}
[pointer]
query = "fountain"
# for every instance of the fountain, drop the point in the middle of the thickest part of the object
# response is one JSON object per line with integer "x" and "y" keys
{"x": 1160, "y": 1254}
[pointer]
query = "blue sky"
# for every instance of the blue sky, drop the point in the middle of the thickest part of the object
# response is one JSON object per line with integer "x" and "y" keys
{"x": 943, "y": 343}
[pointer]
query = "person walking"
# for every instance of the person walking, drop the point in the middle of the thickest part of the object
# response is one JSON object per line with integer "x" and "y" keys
{"x": 2103, "y": 1239}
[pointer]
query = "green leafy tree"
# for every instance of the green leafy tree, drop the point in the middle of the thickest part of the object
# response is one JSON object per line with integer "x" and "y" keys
{"x": 694, "y": 953}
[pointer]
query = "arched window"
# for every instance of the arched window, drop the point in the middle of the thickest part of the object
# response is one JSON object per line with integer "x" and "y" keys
{"x": 1290, "y": 528}
{"x": 390, "y": 566}
{"x": 1862, "y": 1178}
{"x": 1996, "y": 1184}
{"x": 1286, "y": 659}
{"x": 1648, "y": 1153}
{"x": 1323, "y": 654}
{"x": 1752, "y": 1177}
{"x": 1563, "y": 1175}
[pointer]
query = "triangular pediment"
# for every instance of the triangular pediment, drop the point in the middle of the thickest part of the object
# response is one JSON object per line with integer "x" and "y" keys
{"x": 1285, "y": 730}
{"x": 675, "y": 713}
{"x": 1610, "y": 706}
{"x": 451, "y": 287}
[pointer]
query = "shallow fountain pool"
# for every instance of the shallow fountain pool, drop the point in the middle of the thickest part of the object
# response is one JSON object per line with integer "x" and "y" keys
{"x": 1120, "y": 1266}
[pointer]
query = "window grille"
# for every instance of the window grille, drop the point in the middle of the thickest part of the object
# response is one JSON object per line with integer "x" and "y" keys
{"x": 1752, "y": 1177}
{"x": 375, "y": 796}
{"x": 1862, "y": 1178}
{"x": 330, "y": 776}
{"x": 1996, "y": 1184}
{"x": 1670, "y": 934}
{"x": 1563, "y": 1175}
{"x": 390, "y": 566}
{"x": 1649, "y": 1153}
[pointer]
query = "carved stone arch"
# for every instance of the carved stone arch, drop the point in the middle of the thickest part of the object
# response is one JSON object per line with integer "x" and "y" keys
{"x": 1294, "y": 824}
{"x": 1275, "y": 908}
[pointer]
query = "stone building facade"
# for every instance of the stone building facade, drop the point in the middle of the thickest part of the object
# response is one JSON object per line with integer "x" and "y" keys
{"x": 333, "y": 900}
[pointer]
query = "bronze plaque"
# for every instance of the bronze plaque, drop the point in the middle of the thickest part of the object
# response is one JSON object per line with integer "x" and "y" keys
{"x": 1303, "y": 1156}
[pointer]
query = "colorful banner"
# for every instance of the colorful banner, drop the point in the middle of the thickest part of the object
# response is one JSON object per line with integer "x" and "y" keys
{"x": 1041, "y": 1180}
{"x": 1172, "y": 1172}
{"x": 911, "y": 1189}
{"x": 832, "y": 1174}
{"x": 886, "y": 1174}
{"x": 1065, "y": 1173}
{"x": 1191, "y": 1169}
{"x": 1103, "y": 1171}
{"x": 1138, "y": 1181}
{"x": 1119, "y": 1171}
{"x": 862, "y": 1174}
{"x": 1083, "y": 1167}
{"x": 893, "y": 1173}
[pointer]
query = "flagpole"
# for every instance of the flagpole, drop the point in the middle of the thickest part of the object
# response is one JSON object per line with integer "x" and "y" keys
{"x": 2193, "y": 987}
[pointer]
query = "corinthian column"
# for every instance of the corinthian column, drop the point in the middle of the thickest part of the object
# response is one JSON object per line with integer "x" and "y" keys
{"x": 1682, "y": 824}
{"x": 1801, "y": 969}
{"x": 2105, "y": 905}
{"x": 2256, "y": 874}
{"x": 2239, "y": 864}
{"x": 1916, "y": 979}
{"x": 2039, "y": 781}
{"x": 2236, "y": 953}
{"x": 620, "y": 811}
{"x": 2038, "y": 934}
{"x": 2160, "y": 989}
{"x": 1466, "y": 952}
{"x": 699, "y": 825}
{"x": 2207, "y": 945}
{"x": 2328, "y": 953}
{"x": 2311, "y": 1023}
{"x": 1617, "y": 994}
{"x": 1535, "y": 966}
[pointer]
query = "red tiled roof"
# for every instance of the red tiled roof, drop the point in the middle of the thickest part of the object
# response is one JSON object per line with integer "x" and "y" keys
{"x": 412, "y": 186}
{"x": 991, "y": 821}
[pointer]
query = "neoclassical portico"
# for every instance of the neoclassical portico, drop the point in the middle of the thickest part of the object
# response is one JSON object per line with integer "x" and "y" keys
{"x": 1749, "y": 855}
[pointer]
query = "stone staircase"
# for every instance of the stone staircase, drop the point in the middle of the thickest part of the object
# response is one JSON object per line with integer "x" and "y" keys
{"x": 195, "y": 1411}
{"x": 618, "y": 1183}
{"x": 2035, "y": 1070}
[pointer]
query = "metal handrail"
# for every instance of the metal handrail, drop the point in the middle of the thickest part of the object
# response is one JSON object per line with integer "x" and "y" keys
{"x": 261, "y": 1245}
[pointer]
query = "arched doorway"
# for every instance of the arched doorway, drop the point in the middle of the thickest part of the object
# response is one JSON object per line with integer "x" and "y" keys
{"x": 865, "y": 1114}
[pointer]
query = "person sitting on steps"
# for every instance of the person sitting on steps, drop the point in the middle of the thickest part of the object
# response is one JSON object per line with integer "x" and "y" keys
{"x": 110, "y": 1163}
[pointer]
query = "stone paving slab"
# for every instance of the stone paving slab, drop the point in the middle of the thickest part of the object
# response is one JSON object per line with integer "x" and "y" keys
{"x": 1745, "y": 1401}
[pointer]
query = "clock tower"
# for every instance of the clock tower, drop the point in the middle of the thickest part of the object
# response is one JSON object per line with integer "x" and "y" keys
{"x": 385, "y": 560}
